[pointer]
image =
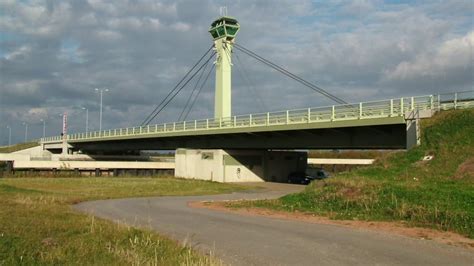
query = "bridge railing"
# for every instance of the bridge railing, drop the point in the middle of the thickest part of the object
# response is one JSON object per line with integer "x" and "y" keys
{"x": 363, "y": 110}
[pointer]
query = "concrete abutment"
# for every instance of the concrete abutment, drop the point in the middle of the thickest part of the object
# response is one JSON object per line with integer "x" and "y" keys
{"x": 238, "y": 165}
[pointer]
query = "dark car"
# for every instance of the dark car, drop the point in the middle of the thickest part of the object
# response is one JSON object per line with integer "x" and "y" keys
{"x": 305, "y": 178}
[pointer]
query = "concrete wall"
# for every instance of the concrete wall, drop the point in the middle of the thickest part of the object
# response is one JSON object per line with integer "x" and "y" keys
{"x": 412, "y": 133}
{"x": 90, "y": 165}
{"x": 37, "y": 158}
{"x": 207, "y": 165}
{"x": 238, "y": 165}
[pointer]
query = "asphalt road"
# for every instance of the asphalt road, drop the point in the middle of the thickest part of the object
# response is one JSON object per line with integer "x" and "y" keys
{"x": 257, "y": 240}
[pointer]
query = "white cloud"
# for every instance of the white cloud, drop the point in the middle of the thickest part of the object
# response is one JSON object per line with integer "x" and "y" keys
{"x": 108, "y": 35}
{"x": 452, "y": 54}
{"x": 180, "y": 26}
{"x": 131, "y": 23}
{"x": 19, "y": 52}
{"x": 358, "y": 50}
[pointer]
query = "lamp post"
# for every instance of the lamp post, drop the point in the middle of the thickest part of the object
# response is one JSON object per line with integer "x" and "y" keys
{"x": 26, "y": 131}
{"x": 87, "y": 119}
{"x": 9, "y": 135}
{"x": 64, "y": 130}
{"x": 101, "y": 92}
{"x": 44, "y": 127}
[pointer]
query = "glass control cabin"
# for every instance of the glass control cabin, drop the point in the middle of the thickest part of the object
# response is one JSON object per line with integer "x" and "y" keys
{"x": 224, "y": 27}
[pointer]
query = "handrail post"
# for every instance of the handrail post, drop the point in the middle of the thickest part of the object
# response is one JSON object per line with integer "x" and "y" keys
{"x": 287, "y": 117}
{"x": 195, "y": 124}
{"x": 140, "y": 131}
{"x": 268, "y": 118}
{"x": 148, "y": 129}
{"x": 455, "y": 100}
{"x": 184, "y": 125}
{"x": 174, "y": 126}
{"x": 156, "y": 128}
{"x": 439, "y": 102}
{"x": 164, "y": 127}
{"x": 431, "y": 102}
{"x": 391, "y": 107}
{"x": 220, "y": 122}
{"x": 412, "y": 103}
{"x": 235, "y": 121}
{"x": 207, "y": 123}
{"x": 250, "y": 120}
{"x": 401, "y": 107}
{"x": 360, "y": 110}
{"x": 333, "y": 112}
{"x": 309, "y": 115}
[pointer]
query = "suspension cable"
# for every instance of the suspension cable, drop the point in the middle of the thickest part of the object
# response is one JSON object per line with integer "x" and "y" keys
{"x": 289, "y": 74}
{"x": 179, "y": 90}
{"x": 199, "y": 91}
{"x": 192, "y": 92}
{"x": 251, "y": 88}
{"x": 147, "y": 119}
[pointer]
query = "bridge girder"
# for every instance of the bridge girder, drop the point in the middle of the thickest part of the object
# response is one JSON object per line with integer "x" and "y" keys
{"x": 391, "y": 136}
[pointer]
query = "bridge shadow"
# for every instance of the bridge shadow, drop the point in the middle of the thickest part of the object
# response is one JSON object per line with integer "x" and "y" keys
{"x": 262, "y": 165}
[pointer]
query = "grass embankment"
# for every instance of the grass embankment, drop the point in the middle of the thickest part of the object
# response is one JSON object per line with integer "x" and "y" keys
{"x": 18, "y": 147}
{"x": 400, "y": 186}
{"x": 38, "y": 226}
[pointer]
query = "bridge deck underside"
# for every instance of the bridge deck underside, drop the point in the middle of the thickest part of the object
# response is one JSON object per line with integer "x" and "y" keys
{"x": 383, "y": 136}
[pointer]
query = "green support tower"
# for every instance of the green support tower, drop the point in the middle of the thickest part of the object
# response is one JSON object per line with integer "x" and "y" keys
{"x": 223, "y": 30}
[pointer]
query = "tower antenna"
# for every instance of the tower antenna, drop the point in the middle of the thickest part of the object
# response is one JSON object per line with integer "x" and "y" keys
{"x": 223, "y": 11}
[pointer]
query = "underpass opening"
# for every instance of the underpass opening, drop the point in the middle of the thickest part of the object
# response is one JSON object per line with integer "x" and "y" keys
{"x": 238, "y": 165}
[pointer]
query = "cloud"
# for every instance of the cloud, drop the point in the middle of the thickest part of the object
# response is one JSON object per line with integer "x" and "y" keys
{"x": 54, "y": 53}
{"x": 450, "y": 61}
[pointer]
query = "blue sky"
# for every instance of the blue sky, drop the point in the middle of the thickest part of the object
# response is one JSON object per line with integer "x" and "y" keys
{"x": 54, "y": 53}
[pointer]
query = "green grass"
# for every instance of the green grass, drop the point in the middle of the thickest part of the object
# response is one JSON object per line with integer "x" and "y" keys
{"x": 18, "y": 147}
{"x": 400, "y": 187}
{"x": 38, "y": 225}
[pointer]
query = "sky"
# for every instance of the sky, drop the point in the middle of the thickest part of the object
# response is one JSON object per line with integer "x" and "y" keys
{"x": 53, "y": 54}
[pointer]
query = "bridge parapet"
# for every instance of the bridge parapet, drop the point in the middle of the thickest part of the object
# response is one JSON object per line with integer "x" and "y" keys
{"x": 364, "y": 110}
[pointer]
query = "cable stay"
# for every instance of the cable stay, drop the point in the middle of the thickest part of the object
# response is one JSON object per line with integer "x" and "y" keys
{"x": 177, "y": 89}
{"x": 243, "y": 74}
{"x": 199, "y": 92}
{"x": 289, "y": 74}
{"x": 192, "y": 92}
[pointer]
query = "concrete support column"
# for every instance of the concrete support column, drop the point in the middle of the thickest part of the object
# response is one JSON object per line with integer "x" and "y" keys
{"x": 64, "y": 147}
{"x": 223, "y": 94}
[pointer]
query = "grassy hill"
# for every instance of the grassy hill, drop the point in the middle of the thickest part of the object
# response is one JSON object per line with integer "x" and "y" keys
{"x": 401, "y": 186}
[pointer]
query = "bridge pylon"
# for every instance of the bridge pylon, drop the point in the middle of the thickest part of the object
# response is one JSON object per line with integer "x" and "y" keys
{"x": 223, "y": 30}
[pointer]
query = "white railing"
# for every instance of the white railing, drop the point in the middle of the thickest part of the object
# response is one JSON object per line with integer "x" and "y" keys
{"x": 363, "y": 110}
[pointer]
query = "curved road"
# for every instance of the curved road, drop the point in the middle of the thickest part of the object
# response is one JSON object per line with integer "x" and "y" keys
{"x": 257, "y": 240}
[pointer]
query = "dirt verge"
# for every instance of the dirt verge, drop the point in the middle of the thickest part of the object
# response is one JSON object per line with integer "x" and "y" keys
{"x": 398, "y": 228}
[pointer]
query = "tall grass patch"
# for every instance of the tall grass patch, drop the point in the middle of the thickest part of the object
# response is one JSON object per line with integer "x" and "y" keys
{"x": 38, "y": 225}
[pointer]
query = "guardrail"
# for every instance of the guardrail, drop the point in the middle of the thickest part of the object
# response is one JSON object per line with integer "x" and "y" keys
{"x": 363, "y": 110}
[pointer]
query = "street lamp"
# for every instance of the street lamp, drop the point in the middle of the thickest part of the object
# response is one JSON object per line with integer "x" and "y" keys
{"x": 64, "y": 130}
{"x": 26, "y": 131}
{"x": 44, "y": 127}
{"x": 87, "y": 118}
{"x": 9, "y": 135}
{"x": 101, "y": 91}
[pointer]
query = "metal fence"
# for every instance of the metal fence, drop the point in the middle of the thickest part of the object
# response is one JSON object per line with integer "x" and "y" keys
{"x": 363, "y": 110}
